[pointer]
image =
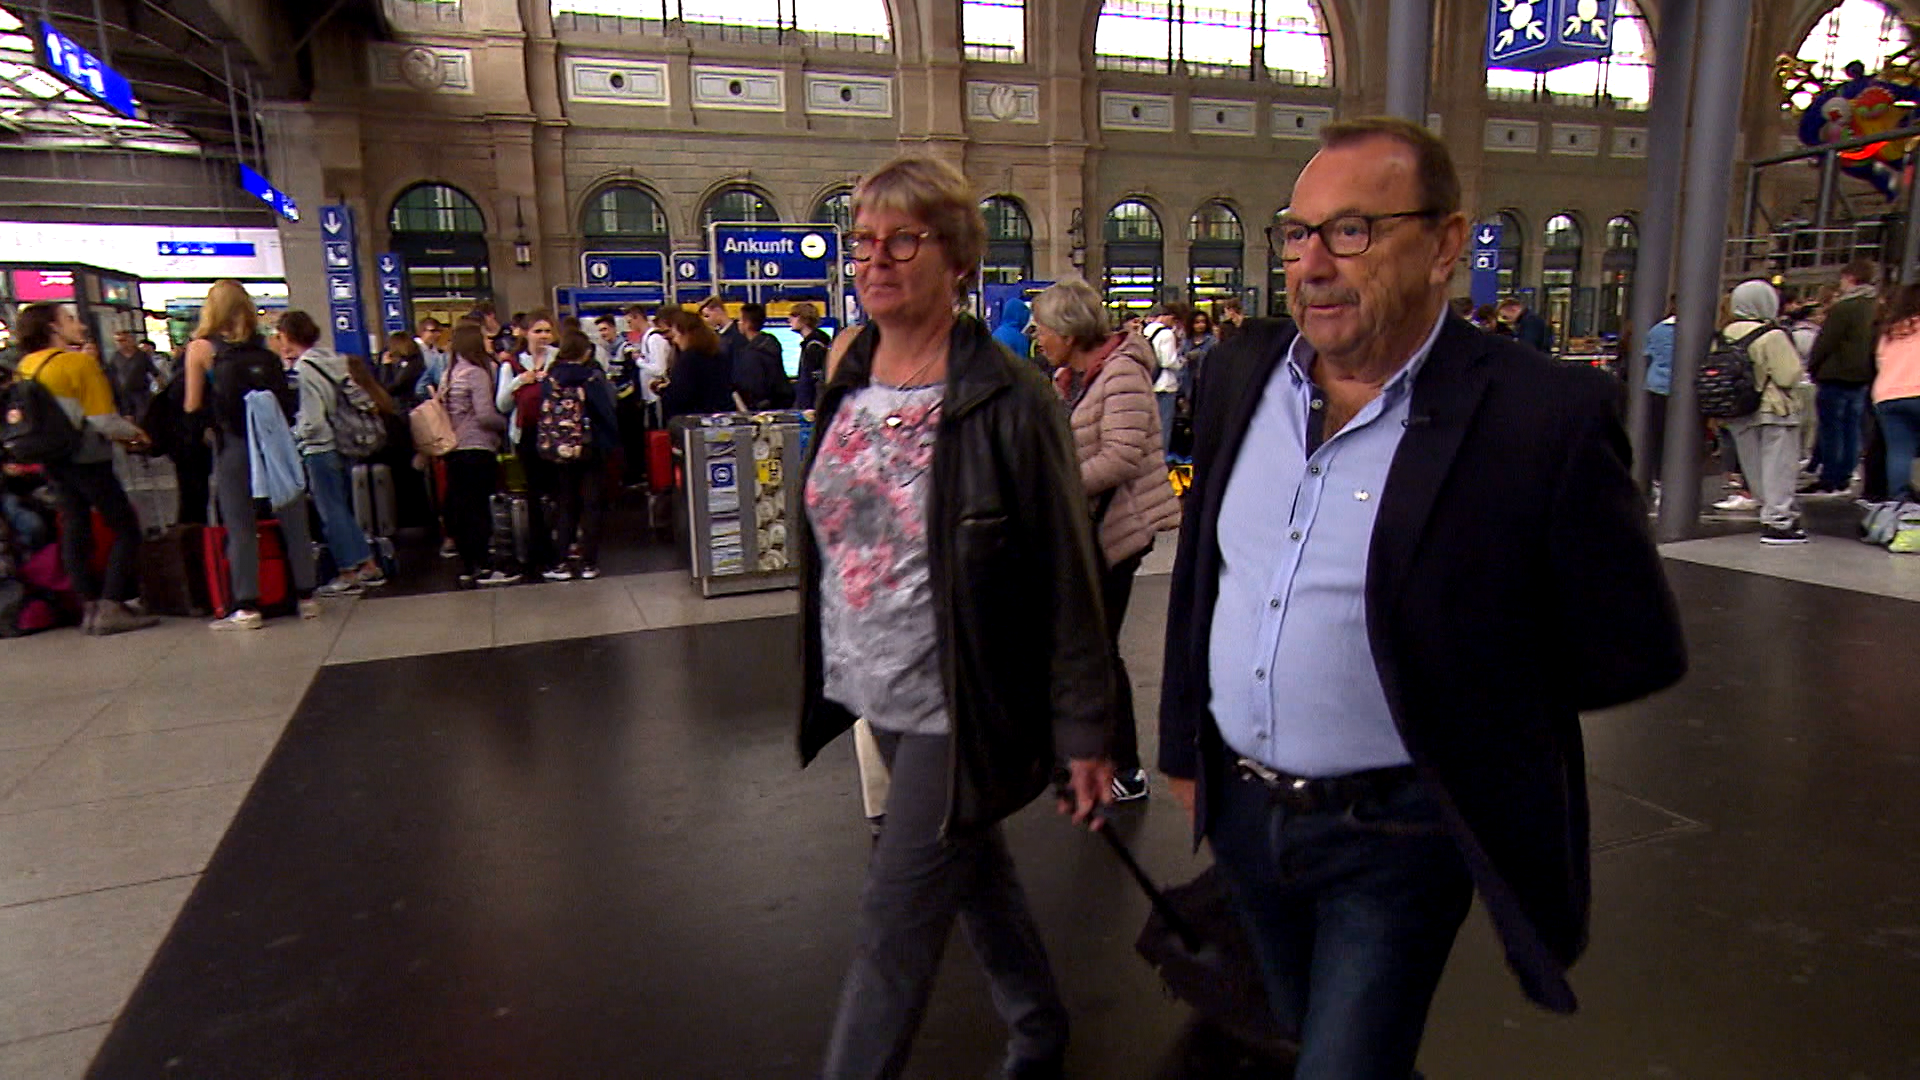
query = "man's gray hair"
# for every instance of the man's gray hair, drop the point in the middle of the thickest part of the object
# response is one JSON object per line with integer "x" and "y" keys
{"x": 1073, "y": 310}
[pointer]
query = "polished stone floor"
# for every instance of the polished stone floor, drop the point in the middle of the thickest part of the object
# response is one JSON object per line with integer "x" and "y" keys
{"x": 558, "y": 831}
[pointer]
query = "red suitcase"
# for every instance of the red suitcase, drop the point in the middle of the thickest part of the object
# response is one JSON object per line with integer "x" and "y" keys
{"x": 660, "y": 462}
{"x": 276, "y": 576}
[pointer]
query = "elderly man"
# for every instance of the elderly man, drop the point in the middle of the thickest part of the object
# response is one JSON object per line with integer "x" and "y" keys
{"x": 1384, "y": 626}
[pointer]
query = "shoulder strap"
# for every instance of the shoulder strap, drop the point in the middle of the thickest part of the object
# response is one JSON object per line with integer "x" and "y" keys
{"x": 1765, "y": 329}
{"x": 46, "y": 357}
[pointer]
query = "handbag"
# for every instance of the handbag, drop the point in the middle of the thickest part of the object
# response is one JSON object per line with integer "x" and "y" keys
{"x": 432, "y": 428}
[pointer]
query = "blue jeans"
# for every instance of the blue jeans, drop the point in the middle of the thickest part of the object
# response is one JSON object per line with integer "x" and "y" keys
{"x": 1900, "y": 427}
{"x": 1352, "y": 913}
{"x": 1842, "y": 410}
{"x": 330, "y": 478}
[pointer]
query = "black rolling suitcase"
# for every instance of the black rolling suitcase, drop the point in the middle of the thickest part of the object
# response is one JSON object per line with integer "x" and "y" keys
{"x": 511, "y": 541}
{"x": 172, "y": 566}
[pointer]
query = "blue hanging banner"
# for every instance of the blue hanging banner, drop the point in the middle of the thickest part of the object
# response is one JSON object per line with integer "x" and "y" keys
{"x": 343, "y": 281}
{"x": 83, "y": 71}
{"x": 1549, "y": 34}
{"x": 1486, "y": 264}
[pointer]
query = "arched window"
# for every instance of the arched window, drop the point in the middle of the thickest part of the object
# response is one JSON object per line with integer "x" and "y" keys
{"x": 994, "y": 31}
{"x": 1862, "y": 30}
{"x": 736, "y": 203}
{"x": 441, "y": 238}
{"x": 1009, "y": 242}
{"x": 1215, "y": 253}
{"x": 1616, "y": 274}
{"x": 436, "y": 208}
{"x": 624, "y": 217}
{"x": 1286, "y": 39}
{"x": 1560, "y": 276}
{"x": 1513, "y": 250}
{"x": 1624, "y": 80}
{"x": 836, "y": 208}
{"x": 1135, "y": 258}
{"x": 850, "y": 25}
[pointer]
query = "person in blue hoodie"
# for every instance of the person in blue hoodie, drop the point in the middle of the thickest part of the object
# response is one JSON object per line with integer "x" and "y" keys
{"x": 1012, "y": 331}
{"x": 577, "y": 461}
{"x": 1659, "y": 353}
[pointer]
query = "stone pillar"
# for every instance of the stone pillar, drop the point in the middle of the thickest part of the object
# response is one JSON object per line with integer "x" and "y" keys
{"x": 294, "y": 155}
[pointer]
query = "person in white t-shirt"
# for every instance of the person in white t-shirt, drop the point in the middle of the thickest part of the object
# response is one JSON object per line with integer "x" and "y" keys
{"x": 1163, "y": 333}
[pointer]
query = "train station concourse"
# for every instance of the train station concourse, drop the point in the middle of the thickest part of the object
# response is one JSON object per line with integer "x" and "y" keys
{"x": 662, "y": 385}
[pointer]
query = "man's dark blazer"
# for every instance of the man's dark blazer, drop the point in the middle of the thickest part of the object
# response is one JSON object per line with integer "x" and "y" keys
{"x": 1511, "y": 584}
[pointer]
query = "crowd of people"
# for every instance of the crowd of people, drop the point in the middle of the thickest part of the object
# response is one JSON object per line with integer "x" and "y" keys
{"x": 1837, "y": 415}
{"x": 555, "y": 410}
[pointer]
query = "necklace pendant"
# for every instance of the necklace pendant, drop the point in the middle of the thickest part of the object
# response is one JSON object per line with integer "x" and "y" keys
{"x": 894, "y": 420}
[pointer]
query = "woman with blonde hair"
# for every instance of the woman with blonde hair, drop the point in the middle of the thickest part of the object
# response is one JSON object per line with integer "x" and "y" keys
{"x": 949, "y": 596}
{"x": 225, "y": 362}
{"x": 1107, "y": 381}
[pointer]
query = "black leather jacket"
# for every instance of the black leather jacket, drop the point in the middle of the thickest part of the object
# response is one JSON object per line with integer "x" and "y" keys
{"x": 1023, "y": 651}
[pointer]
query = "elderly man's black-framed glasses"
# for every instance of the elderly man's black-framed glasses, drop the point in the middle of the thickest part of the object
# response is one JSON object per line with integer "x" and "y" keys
{"x": 901, "y": 246}
{"x": 1344, "y": 236}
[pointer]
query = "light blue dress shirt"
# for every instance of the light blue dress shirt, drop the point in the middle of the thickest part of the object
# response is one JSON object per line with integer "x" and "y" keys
{"x": 1293, "y": 678}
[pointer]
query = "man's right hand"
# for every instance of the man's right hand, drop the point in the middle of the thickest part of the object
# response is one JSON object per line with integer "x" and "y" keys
{"x": 1182, "y": 790}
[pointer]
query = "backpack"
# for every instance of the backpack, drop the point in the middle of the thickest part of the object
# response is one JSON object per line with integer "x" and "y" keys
{"x": 34, "y": 427}
{"x": 1724, "y": 383}
{"x": 359, "y": 429}
{"x": 562, "y": 434}
{"x": 239, "y": 368}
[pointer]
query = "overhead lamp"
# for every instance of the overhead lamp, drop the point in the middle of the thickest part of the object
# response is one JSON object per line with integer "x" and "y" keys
{"x": 522, "y": 247}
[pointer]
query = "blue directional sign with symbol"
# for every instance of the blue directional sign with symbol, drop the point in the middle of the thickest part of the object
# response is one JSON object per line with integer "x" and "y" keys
{"x": 343, "y": 280}
{"x": 775, "y": 253}
{"x": 200, "y": 249}
{"x": 84, "y": 71}
{"x": 256, "y": 185}
{"x": 393, "y": 298}
{"x": 622, "y": 269}
{"x": 1547, "y": 34}
{"x": 1486, "y": 263}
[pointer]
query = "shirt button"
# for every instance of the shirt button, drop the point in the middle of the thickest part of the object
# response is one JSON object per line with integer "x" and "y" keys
{"x": 1318, "y": 404}
{"x": 1274, "y": 603}
{"x": 1314, "y": 469}
{"x": 1294, "y": 535}
{"x": 1260, "y": 674}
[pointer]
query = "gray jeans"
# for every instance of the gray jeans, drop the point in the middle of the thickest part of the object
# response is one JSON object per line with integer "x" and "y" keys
{"x": 1770, "y": 454}
{"x": 233, "y": 492}
{"x": 917, "y": 883}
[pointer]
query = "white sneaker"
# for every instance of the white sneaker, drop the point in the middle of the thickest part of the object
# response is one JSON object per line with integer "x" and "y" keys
{"x": 1734, "y": 504}
{"x": 239, "y": 620}
{"x": 309, "y": 609}
{"x": 497, "y": 577}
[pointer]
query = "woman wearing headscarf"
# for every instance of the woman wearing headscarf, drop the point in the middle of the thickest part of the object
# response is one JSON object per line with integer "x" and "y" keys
{"x": 949, "y": 595}
{"x": 1107, "y": 381}
{"x": 1769, "y": 439}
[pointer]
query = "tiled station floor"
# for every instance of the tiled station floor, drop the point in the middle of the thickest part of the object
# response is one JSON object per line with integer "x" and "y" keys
{"x": 558, "y": 832}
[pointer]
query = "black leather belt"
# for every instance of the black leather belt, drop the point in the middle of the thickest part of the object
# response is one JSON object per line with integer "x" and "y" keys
{"x": 1310, "y": 794}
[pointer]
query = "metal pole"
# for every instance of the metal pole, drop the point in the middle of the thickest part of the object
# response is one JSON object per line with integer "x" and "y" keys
{"x": 1910, "y": 238}
{"x": 1829, "y": 179}
{"x": 100, "y": 26}
{"x": 233, "y": 103}
{"x": 1718, "y": 82}
{"x": 1409, "y": 49}
{"x": 1653, "y": 267}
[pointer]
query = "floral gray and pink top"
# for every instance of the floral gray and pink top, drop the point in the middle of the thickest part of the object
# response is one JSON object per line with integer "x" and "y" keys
{"x": 867, "y": 504}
